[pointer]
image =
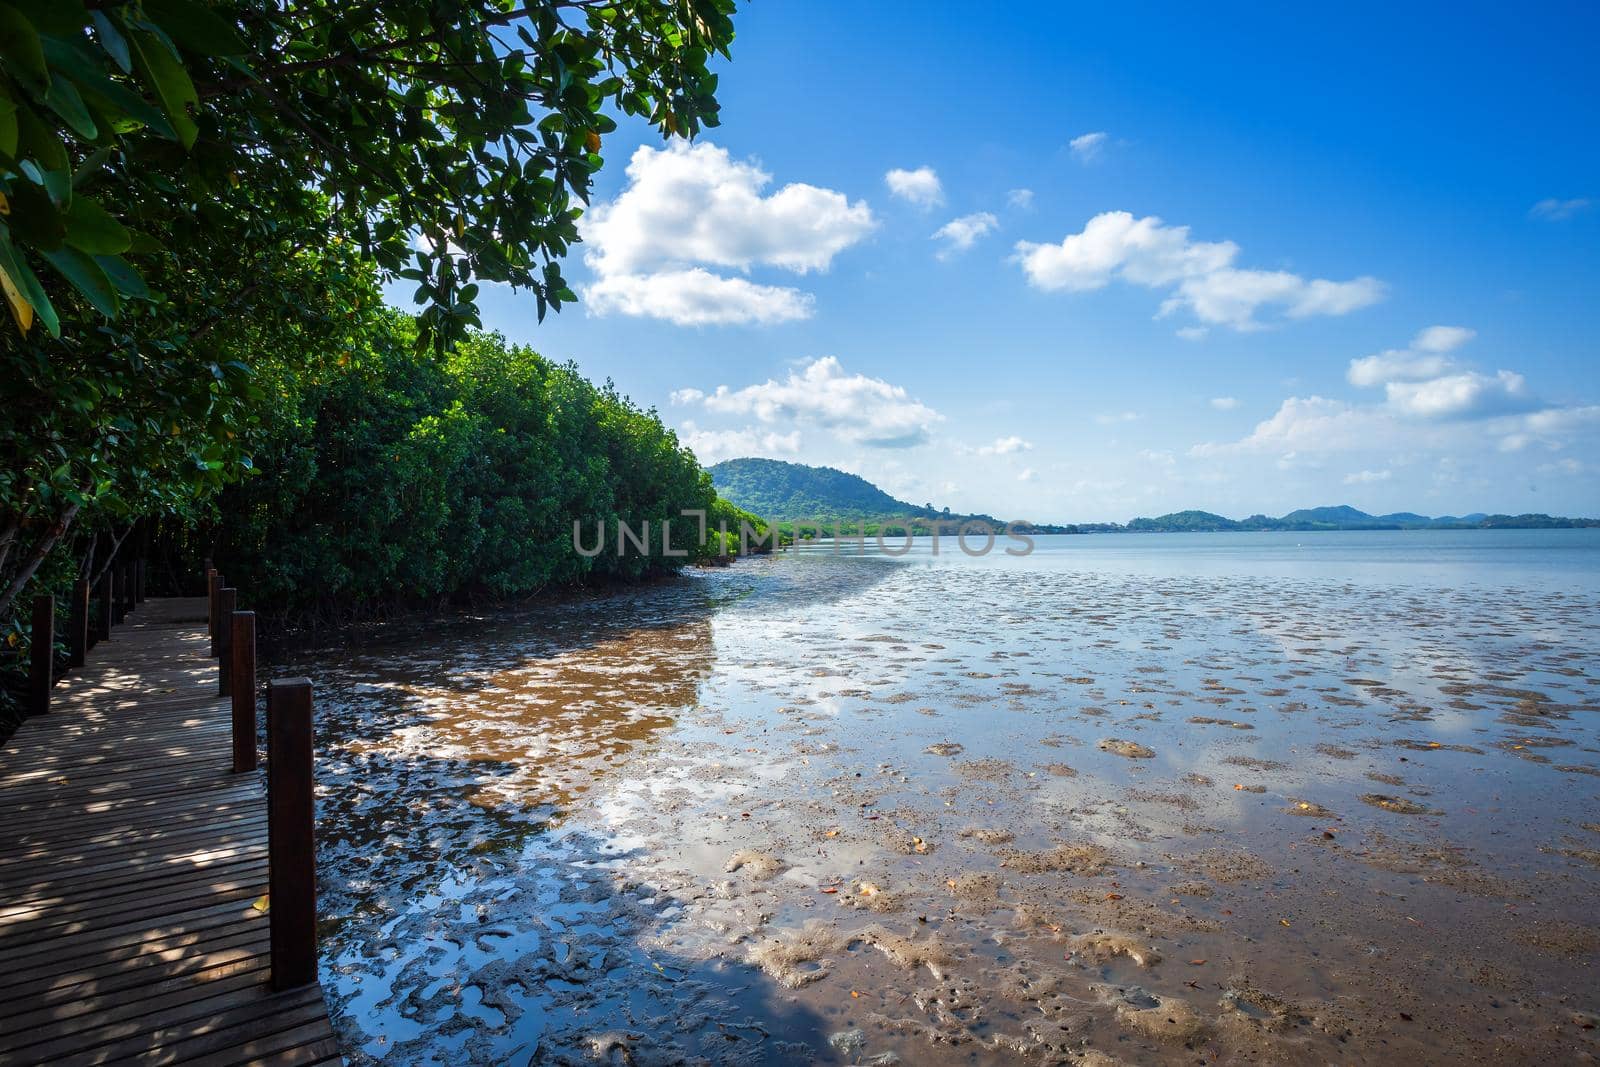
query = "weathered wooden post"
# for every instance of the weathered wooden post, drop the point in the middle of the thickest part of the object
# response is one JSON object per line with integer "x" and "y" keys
{"x": 243, "y": 644}
{"x": 78, "y": 623}
{"x": 291, "y": 834}
{"x": 227, "y": 600}
{"x": 214, "y": 591}
{"x": 138, "y": 580}
{"x": 103, "y": 596}
{"x": 42, "y": 651}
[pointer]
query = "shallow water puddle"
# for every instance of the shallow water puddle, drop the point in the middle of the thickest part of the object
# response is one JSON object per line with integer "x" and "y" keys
{"x": 837, "y": 810}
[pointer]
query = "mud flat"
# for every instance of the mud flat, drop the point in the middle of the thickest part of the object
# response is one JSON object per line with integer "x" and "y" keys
{"x": 1168, "y": 817}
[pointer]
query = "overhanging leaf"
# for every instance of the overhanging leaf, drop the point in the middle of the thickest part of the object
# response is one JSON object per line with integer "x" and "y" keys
{"x": 87, "y": 277}
{"x": 166, "y": 78}
{"x": 91, "y": 228}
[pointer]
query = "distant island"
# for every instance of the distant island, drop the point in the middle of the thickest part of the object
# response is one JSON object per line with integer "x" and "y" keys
{"x": 787, "y": 493}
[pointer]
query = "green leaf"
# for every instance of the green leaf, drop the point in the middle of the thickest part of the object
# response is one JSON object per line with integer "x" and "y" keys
{"x": 112, "y": 40}
{"x": 19, "y": 276}
{"x": 166, "y": 78}
{"x": 195, "y": 27}
{"x": 87, "y": 277}
{"x": 92, "y": 229}
{"x": 64, "y": 100}
{"x": 124, "y": 277}
{"x": 60, "y": 17}
{"x": 37, "y": 141}
{"x": 34, "y": 219}
{"x": 21, "y": 49}
{"x": 8, "y": 125}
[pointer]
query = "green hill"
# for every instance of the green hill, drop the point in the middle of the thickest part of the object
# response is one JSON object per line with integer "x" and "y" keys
{"x": 787, "y": 492}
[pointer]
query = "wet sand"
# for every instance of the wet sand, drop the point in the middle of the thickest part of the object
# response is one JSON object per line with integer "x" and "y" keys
{"x": 866, "y": 811}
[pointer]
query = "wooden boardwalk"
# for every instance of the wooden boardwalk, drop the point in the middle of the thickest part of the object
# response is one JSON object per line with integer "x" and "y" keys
{"x": 131, "y": 864}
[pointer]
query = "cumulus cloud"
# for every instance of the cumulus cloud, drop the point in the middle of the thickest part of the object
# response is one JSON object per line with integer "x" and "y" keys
{"x": 1115, "y": 246}
{"x": 1088, "y": 146}
{"x": 960, "y": 234}
{"x": 1367, "y": 477}
{"x": 1424, "y": 358}
{"x": 1224, "y": 403}
{"x": 1556, "y": 210}
{"x": 1020, "y": 198}
{"x": 1460, "y": 395}
{"x": 689, "y": 206}
{"x": 696, "y": 298}
{"x": 920, "y": 187}
{"x": 1005, "y": 446}
{"x": 1027, "y": 474}
{"x": 1429, "y": 402}
{"x": 712, "y": 446}
{"x": 863, "y": 410}
{"x": 1423, "y": 381}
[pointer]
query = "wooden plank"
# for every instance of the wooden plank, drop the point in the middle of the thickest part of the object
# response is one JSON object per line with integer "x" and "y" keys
{"x": 131, "y": 857}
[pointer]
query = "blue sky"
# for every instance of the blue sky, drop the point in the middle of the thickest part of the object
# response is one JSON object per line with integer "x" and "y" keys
{"x": 1349, "y": 183}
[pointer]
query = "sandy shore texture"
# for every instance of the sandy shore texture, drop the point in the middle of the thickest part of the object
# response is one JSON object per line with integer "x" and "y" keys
{"x": 853, "y": 811}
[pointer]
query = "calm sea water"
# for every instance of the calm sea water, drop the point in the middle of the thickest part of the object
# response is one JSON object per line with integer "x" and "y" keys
{"x": 1264, "y": 797}
{"x": 1453, "y": 558}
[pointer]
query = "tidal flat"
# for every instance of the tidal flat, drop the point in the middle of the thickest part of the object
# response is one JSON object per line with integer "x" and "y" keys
{"x": 1259, "y": 803}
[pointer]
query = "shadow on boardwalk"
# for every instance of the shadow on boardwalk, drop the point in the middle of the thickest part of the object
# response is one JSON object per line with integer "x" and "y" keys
{"x": 130, "y": 869}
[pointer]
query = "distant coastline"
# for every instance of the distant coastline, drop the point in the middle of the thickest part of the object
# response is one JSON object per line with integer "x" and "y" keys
{"x": 794, "y": 494}
{"x": 1340, "y": 517}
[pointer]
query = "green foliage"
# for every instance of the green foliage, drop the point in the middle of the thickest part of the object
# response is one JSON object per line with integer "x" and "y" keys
{"x": 398, "y": 479}
{"x": 193, "y": 195}
{"x": 475, "y": 125}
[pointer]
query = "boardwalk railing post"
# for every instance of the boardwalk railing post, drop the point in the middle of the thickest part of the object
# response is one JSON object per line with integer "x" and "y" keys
{"x": 78, "y": 621}
{"x": 42, "y": 653}
{"x": 227, "y": 600}
{"x": 103, "y": 596}
{"x": 243, "y": 641}
{"x": 291, "y": 828}
{"x": 213, "y": 592}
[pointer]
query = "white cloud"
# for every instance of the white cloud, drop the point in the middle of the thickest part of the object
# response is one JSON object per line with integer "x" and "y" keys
{"x": 1425, "y": 358}
{"x": 1367, "y": 477}
{"x": 1422, "y": 381}
{"x": 1116, "y": 246}
{"x": 1020, "y": 198}
{"x": 1460, "y": 395}
{"x": 691, "y": 205}
{"x": 686, "y": 396}
{"x": 711, "y": 446}
{"x": 863, "y": 410}
{"x": 1027, "y": 474}
{"x": 1231, "y": 297}
{"x": 696, "y": 298}
{"x": 1555, "y": 210}
{"x": 1429, "y": 404}
{"x": 1088, "y": 146}
{"x": 960, "y": 234}
{"x": 1224, "y": 403}
{"x": 920, "y": 187}
{"x": 1443, "y": 338}
{"x": 1111, "y": 418}
{"x": 1005, "y": 446}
